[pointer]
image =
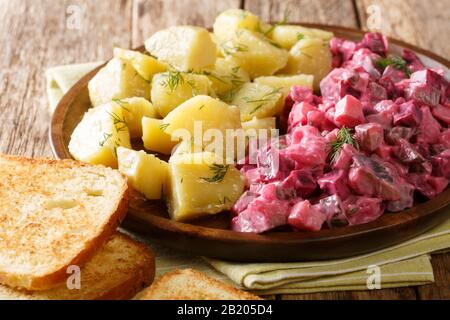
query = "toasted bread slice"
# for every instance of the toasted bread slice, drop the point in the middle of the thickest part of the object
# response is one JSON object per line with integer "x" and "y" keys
{"x": 189, "y": 284}
{"x": 54, "y": 214}
{"x": 117, "y": 271}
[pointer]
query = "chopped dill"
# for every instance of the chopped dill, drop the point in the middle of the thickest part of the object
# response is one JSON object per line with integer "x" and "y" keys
{"x": 396, "y": 62}
{"x": 172, "y": 80}
{"x": 106, "y": 137}
{"x": 164, "y": 126}
{"x": 344, "y": 136}
{"x": 119, "y": 123}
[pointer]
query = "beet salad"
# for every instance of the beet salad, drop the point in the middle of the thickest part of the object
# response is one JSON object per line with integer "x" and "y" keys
{"x": 373, "y": 141}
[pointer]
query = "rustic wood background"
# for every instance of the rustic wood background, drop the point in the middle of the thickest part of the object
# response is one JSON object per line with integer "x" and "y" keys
{"x": 34, "y": 35}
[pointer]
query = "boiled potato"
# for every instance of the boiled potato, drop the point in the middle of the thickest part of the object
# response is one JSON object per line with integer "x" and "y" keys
{"x": 309, "y": 56}
{"x": 101, "y": 131}
{"x": 286, "y": 36}
{"x": 117, "y": 80}
{"x": 201, "y": 185}
{"x": 146, "y": 173}
{"x": 230, "y": 21}
{"x": 144, "y": 64}
{"x": 214, "y": 39}
{"x": 185, "y": 147}
{"x": 257, "y": 100}
{"x": 254, "y": 53}
{"x": 287, "y": 82}
{"x": 226, "y": 76}
{"x": 183, "y": 47}
{"x": 210, "y": 113}
{"x": 170, "y": 89}
{"x": 252, "y": 127}
{"x": 133, "y": 110}
{"x": 154, "y": 136}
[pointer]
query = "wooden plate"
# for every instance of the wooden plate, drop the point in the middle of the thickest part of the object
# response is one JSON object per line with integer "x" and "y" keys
{"x": 211, "y": 237}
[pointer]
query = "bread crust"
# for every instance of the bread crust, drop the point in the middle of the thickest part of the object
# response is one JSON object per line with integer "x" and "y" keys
{"x": 51, "y": 280}
{"x": 158, "y": 285}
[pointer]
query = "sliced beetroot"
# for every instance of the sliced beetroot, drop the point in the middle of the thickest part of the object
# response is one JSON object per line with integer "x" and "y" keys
{"x": 345, "y": 157}
{"x": 299, "y": 184}
{"x": 304, "y": 216}
{"x": 375, "y": 42}
{"x": 334, "y": 211}
{"x": 408, "y": 115}
{"x": 308, "y": 147}
{"x": 298, "y": 114}
{"x": 406, "y": 198}
{"x": 441, "y": 164}
{"x": 349, "y": 112}
{"x": 425, "y": 87}
{"x": 397, "y": 133}
{"x": 413, "y": 60}
{"x": 335, "y": 182}
{"x": 360, "y": 210}
{"x": 369, "y": 136}
{"x": 407, "y": 153}
{"x": 373, "y": 177}
{"x": 442, "y": 113}
{"x": 430, "y": 129}
{"x": 243, "y": 202}
{"x": 261, "y": 215}
{"x": 427, "y": 185}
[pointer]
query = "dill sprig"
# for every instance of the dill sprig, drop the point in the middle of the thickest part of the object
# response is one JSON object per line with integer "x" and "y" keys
{"x": 122, "y": 103}
{"x": 119, "y": 123}
{"x": 344, "y": 136}
{"x": 229, "y": 48}
{"x": 283, "y": 21}
{"x": 263, "y": 100}
{"x": 106, "y": 137}
{"x": 164, "y": 126}
{"x": 396, "y": 62}
{"x": 172, "y": 80}
{"x": 219, "y": 173}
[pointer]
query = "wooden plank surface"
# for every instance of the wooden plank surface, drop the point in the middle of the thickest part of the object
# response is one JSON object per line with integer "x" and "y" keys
{"x": 334, "y": 12}
{"x": 37, "y": 35}
{"x": 423, "y": 23}
{"x": 150, "y": 16}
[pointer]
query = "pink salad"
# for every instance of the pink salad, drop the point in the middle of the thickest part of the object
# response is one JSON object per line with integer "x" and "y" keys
{"x": 377, "y": 138}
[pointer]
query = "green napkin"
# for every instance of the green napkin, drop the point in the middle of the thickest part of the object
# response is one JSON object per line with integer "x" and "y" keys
{"x": 407, "y": 264}
{"x": 60, "y": 79}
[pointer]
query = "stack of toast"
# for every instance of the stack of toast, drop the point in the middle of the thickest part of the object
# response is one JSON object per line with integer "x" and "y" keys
{"x": 58, "y": 237}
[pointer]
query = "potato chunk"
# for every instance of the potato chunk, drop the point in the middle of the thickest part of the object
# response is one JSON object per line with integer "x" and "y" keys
{"x": 146, "y": 173}
{"x": 172, "y": 88}
{"x": 257, "y": 100}
{"x": 144, "y": 64}
{"x": 154, "y": 136}
{"x": 254, "y": 53}
{"x": 285, "y": 83}
{"x": 200, "y": 185}
{"x": 309, "y": 56}
{"x": 101, "y": 131}
{"x": 230, "y": 21}
{"x": 133, "y": 110}
{"x": 256, "y": 124}
{"x": 226, "y": 76}
{"x": 117, "y": 80}
{"x": 183, "y": 47}
{"x": 286, "y": 36}
{"x": 209, "y": 112}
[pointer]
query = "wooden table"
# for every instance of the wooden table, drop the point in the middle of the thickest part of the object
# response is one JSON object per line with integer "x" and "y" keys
{"x": 39, "y": 34}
